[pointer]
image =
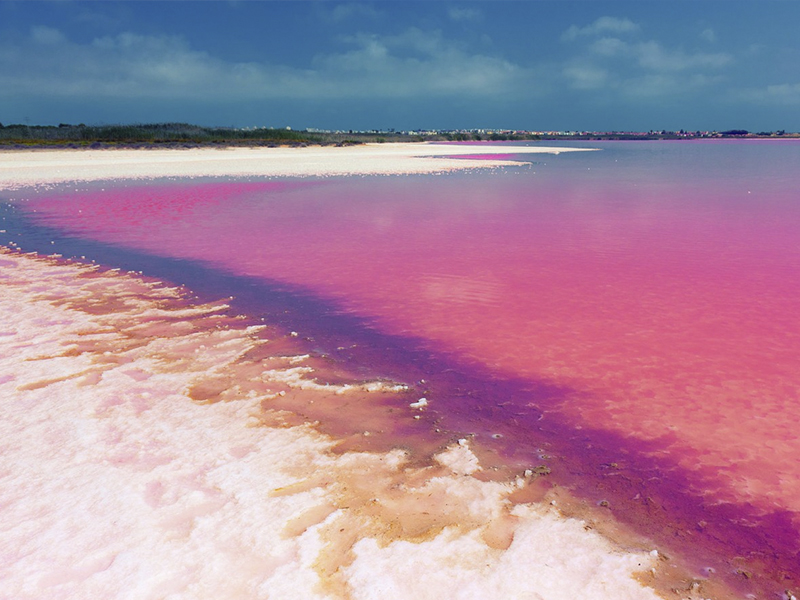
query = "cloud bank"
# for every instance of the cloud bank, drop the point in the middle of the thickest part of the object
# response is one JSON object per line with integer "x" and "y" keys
{"x": 130, "y": 65}
{"x": 459, "y": 65}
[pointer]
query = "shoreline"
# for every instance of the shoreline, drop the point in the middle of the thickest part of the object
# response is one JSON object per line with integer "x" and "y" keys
{"x": 22, "y": 168}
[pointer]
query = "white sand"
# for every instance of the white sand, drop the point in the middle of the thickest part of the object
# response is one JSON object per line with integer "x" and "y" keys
{"x": 30, "y": 167}
{"x": 115, "y": 484}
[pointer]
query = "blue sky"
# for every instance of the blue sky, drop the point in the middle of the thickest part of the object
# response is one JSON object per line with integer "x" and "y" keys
{"x": 539, "y": 64}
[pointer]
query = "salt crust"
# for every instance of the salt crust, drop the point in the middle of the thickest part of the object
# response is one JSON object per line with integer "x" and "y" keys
{"x": 35, "y": 167}
{"x": 459, "y": 459}
{"x": 115, "y": 484}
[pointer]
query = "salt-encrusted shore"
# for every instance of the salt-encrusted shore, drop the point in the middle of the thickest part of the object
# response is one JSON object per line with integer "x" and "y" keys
{"x": 117, "y": 482}
{"x": 32, "y": 167}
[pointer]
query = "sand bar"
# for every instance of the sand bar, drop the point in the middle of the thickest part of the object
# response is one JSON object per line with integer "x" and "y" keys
{"x": 32, "y": 167}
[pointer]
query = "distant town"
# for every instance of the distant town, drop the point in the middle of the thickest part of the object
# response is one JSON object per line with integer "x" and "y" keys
{"x": 516, "y": 134}
{"x": 185, "y": 135}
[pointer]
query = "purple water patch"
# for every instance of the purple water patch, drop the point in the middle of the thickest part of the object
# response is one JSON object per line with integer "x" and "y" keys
{"x": 625, "y": 319}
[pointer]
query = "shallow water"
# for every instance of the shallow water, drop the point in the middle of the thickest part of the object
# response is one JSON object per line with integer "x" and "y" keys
{"x": 624, "y": 319}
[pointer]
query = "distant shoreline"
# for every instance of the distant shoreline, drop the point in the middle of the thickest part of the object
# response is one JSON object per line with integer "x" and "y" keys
{"x": 185, "y": 136}
{"x": 19, "y": 145}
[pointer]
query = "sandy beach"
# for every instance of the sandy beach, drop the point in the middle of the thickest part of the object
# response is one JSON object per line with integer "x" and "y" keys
{"x": 144, "y": 457}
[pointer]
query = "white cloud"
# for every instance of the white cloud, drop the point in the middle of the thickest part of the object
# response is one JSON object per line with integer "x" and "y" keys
{"x": 654, "y": 56}
{"x": 708, "y": 35}
{"x": 643, "y": 69}
{"x": 343, "y": 12}
{"x": 410, "y": 41}
{"x": 610, "y": 47}
{"x": 650, "y": 55}
{"x": 411, "y": 64}
{"x": 417, "y": 62}
{"x": 665, "y": 86}
{"x": 464, "y": 14}
{"x": 46, "y": 35}
{"x": 784, "y": 94}
{"x": 652, "y": 85}
{"x": 601, "y": 26}
{"x": 585, "y": 77}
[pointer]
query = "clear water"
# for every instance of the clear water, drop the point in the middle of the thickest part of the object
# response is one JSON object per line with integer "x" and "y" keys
{"x": 626, "y": 318}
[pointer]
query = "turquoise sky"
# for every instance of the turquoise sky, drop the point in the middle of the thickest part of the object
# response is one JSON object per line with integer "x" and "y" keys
{"x": 549, "y": 64}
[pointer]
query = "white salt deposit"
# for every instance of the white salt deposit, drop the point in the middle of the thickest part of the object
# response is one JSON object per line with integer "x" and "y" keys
{"x": 459, "y": 459}
{"x": 37, "y": 167}
{"x": 114, "y": 483}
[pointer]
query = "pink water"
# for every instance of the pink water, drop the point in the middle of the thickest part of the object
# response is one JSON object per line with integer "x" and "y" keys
{"x": 655, "y": 286}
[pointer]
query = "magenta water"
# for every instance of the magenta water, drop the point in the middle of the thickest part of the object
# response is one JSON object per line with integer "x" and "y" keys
{"x": 627, "y": 317}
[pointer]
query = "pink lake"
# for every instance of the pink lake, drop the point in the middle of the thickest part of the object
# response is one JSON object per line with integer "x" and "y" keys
{"x": 630, "y": 317}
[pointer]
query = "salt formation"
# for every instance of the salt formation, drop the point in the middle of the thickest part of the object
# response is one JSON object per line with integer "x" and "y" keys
{"x": 137, "y": 463}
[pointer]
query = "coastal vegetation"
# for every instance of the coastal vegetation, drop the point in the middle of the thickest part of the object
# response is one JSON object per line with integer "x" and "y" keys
{"x": 185, "y": 135}
{"x": 188, "y": 135}
{"x": 180, "y": 134}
